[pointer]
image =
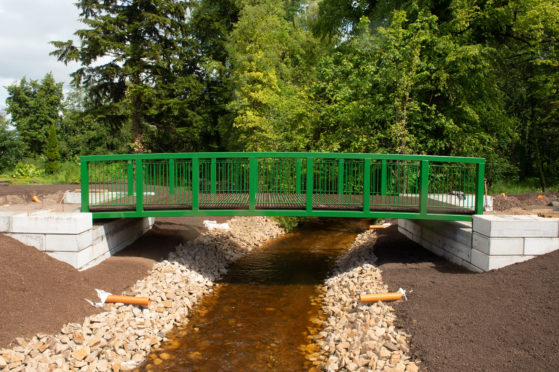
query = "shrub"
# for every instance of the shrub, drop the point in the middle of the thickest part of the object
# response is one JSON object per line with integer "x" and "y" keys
{"x": 26, "y": 170}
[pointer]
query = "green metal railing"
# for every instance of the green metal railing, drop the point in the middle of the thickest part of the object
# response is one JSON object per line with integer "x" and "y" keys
{"x": 282, "y": 184}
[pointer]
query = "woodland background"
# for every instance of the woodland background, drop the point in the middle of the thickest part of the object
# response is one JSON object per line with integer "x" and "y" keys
{"x": 440, "y": 77}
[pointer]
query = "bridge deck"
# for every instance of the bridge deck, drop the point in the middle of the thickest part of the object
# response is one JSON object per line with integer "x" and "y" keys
{"x": 280, "y": 202}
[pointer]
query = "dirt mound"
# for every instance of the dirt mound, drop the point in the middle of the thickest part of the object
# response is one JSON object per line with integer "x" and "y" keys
{"x": 26, "y": 192}
{"x": 19, "y": 197}
{"x": 504, "y": 320}
{"x": 523, "y": 203}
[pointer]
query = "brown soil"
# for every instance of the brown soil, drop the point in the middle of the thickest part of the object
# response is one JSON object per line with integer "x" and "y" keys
{"x": 504, "y": 320}
{"x": 28, "y": 191}
{"x": 529, "y": 203}
{"x": 19, "y": 197}
{"x": 41, "y": 294}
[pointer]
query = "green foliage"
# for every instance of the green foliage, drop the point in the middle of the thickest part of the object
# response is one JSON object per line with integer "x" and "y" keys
{"x": 146, "y": 77}
{"x": 270, "y": 74}
{"x": 83, "y": 133}
{"x": 289, "y": 223}
{"x": 32, "y": 171}
{"x": 405, "y": 88}
{"x": 487, "y": 74}
{"x": 26, "y": 171}
{"x": 34, "y": 106}
{"x": 11, "y": 148}
{"x": 515, "y": 187}
{"x": 52, "y": 153}
{"x": 69, "y": 172}
{"x": 476, "y": 78}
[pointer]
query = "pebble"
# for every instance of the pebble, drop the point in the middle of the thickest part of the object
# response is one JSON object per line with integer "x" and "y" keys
{"x": 358, "y": 336}
{"x": 120, "y": 338}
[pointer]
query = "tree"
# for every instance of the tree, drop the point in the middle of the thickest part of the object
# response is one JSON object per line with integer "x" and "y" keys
{"x": 407, "y": 88}
{"x": 210, "y": 26}
{"x": 136, "y": 61}
{"x": 271, "y": 60}
{"x": 35, "y": 106}
{"x": 52, "y": 153}
{"x": 11, "y": 148}
{"x": 82, "y": 133}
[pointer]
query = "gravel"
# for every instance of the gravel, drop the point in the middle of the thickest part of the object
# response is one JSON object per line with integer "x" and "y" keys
{"x": 357, "y": 336}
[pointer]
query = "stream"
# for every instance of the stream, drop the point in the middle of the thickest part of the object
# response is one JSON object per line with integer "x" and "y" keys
{"x": 261, "y": 314}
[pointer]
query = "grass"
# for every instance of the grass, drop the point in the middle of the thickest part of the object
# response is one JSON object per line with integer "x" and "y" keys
{"x": 525, "y": 186}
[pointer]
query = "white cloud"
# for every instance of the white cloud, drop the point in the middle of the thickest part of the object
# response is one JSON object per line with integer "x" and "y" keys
{"x": 26, "y": 28}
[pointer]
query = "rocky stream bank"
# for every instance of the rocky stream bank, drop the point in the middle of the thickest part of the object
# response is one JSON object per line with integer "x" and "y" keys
{"x": 357, "y": 336}
{"x": 120, "y": 338}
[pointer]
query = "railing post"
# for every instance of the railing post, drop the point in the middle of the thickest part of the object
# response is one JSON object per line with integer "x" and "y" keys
{"x": 130, "y": 177}
{"x": 84, "y": 179}
{"x": 195, "y": 184}
{"x": 298, "y": 175}
{"x": 480, "y": 187}
{"x": 366, "y": 185}
{"x": 309, "y": 183}
{"x": 139, "y": 186}
{"x": 383, "y": 176}
{"x": 171, "y": 176}
{"x": 253, "y": 182}
{"x": 423, "y": 187}
{"x": 340, "y": 176}
{"x": 213, "y": 183}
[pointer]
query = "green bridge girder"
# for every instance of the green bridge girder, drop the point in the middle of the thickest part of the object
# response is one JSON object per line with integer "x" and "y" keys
{"x": 282, "y": 184}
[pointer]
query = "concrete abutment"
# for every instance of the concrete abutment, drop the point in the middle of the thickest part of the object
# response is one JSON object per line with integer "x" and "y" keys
{"x": 488, "y": 242}
{"x": 73, "y": 237}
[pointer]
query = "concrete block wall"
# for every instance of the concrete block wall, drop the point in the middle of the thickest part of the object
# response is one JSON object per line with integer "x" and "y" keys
{"x": 489, "y": 242}
{"x": 73, "y": 237}
{"x": 449, "y": 239}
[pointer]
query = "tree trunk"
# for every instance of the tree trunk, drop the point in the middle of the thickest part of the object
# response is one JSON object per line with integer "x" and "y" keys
{"x": 540, "y": 165}
{"x": 138, "y": 144}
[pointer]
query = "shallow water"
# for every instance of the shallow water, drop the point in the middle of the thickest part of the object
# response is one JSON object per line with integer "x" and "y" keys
{"x": 260, "y": 315}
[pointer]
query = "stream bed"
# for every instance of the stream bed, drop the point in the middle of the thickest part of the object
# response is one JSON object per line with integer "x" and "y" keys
{"x": 261, "y": 313}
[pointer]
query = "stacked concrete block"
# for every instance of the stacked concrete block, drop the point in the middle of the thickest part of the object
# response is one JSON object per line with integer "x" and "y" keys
{"x": 72, "y": 237}
{"x": 501, "y": 240}
{"x": 449, "y": 239}
{"x": 489, "y": 242}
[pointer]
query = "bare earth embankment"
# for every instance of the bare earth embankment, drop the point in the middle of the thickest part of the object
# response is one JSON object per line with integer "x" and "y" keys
{"x": 503, "y": 320}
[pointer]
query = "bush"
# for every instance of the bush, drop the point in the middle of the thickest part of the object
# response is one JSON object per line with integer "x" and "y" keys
{"x": 26, "y": 170}
{"x": 288, "y": 223}
{"x": 11, "y": 147}
{"x": 69, "y": 173}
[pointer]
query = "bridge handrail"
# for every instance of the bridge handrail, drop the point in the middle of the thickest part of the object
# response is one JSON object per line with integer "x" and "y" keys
{"x": 426, "y": 173}
{"x": 304, "y": 155}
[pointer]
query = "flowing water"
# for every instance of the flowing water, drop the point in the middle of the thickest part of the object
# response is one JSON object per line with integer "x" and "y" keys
{"x": 261, "y": 313}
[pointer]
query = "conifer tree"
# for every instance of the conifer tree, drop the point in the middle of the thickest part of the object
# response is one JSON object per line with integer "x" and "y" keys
{"x": 134, "y": 59}
{"x": 52, "y": 153}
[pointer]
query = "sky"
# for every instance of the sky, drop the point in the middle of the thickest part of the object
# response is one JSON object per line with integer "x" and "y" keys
{"x": 26, "y": 27}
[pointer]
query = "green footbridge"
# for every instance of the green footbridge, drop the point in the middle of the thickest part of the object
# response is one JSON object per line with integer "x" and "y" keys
{"x": 282, "y": 184}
